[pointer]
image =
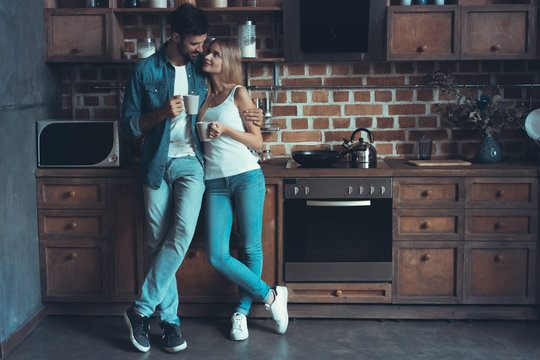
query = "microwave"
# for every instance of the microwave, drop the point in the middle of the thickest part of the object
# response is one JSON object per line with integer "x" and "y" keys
{"x": 80, "y": 143}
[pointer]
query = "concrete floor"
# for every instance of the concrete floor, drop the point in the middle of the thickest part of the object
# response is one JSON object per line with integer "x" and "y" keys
{"x": 105, "y": 338}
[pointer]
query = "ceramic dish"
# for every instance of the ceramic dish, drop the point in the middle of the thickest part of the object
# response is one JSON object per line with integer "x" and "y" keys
{"x": 532, "y": 125}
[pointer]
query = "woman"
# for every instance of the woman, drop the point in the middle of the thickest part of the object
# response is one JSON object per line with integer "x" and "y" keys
{"x": 235, "y": 183}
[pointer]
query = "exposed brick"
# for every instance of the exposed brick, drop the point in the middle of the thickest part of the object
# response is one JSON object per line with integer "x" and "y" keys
{"x": 301, "y": 82}
{"x": 91, "y": 101}
{"x": 280, "y": 123}
{"x": 407, "y": 122}
{"x": 317, "y": 69}
{"x": 88, "y": 74}
{"x": 512, "y": 93}
{"x": 278, "y": 150}
{"x": 448, "y": 148}
{"x": 404, "y": 95}
{"x": 388, "y": 135}
{"x": 512, "y": 146}
{"x": 465, "y": 134}
{"x": 82, "y": 114}
{"x": 469, "y": 66}
{"x": 282, "y": 97}
{"x": 296, "y": 70}
{"x": 257, "y": 70}
{"x": 428, "y": 122}
{"x": 404, "y": 68}
{"x": 284, "y": 110}
{"x": 382, "y": 68}
{"x": 469, "y": 148}
{"x": 362, "y": 68}
{"x": 298, "y": 97}
{"x": 424, "y": 94}
{"x": 339, "y": 69}
{"x": 269, "y": 137}
{"x": 109, "y": 74}
{"x": 89, "y": 88}
{"x": 363, "y": 122}
{"x": 491, "y": 66}
{"x": 514, "y": 66}
{"x": 387, "y": 80}
{"x": 299, "y": 123}
{"x": 341, "y": 96}
{"x": 261, "y": 82}
{"x": 337, "y": 136}
{"x": 385, "y": 123}
{"x": 419, "y": 80}
{"x": 404, "y": 148}
{"x": 383, "y": 96}
{"x": 434, "y": 134}
{"x": 425, "y": 67}
{"x": 363, "y": 109}
{"x": 448, "y": 66}
{"x": 321, "y": 110}
{"x": 321, "y": 123}
{"x": 341, "y": 123}
{"x": 111, "y": 100}
{"x": 384, "y": 149}
{"x": 309, "y": 147}
{"x": 362, "y": 96}
{"x": 319, "y": 96}
{"x": 301, "y": 136}
{"x": 513, "y": 79}
{"x": 343, "y": 81}
{"x": 102, "y": 113}
{"x": 407, "y": 109}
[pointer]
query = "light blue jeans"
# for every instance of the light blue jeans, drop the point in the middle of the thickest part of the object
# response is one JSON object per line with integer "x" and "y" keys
{"x": 171, "y": 217}
{"x": 243, "y": 193}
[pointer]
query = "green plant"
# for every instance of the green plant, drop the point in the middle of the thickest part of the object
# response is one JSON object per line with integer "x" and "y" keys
{"x": 489, "y": 115}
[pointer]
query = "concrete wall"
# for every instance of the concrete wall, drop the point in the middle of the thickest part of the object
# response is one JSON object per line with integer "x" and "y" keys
{"x": 29, "y": 90}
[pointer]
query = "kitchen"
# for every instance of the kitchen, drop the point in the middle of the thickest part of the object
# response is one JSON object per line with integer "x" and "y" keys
{"x": 320, "y": 104}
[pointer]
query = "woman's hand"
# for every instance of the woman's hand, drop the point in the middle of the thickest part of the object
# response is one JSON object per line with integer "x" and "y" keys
{"x": 217, "y": 129}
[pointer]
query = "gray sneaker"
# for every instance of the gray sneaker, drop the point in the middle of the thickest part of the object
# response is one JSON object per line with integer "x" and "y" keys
{"x": 278, "y": 309}
{"x": 171, "y": 337}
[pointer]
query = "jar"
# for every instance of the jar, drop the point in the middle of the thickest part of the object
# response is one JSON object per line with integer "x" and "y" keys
{"x": 236, "y": 3}
{"x": 217, "y": 3}
{"x": 145, "y": 48}
{"x": 265, "y": 156}
{"x": 251, "y": 3}
{"x": 132, "y": 4}
{"x": 157, "y": 4}
{"x": 247, "y": 39}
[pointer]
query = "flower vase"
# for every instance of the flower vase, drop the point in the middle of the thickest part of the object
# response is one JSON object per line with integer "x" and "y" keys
{"x": 488, "y": 151}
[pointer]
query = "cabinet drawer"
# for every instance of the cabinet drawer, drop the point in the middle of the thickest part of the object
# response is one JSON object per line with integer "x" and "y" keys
{"x": 74, "y": 272}
{"x": 429, "y": 193}
{"x": 427, "y": 273}
{"x": 499, "y": 273}
{"x": 73, "y": 224}
{"x": 510, "y": 224}
{"x": 340, "y": 293}
{"x": 502, "y": 192}
{"x": 418, "y": 224}
{"x": 71, "y": 194}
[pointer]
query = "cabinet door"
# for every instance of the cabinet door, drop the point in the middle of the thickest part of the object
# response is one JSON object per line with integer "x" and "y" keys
{"x": 427, "y": 224}
{"x": 502, "y": 193}
{"x": 427, "y": 272}
{"x": 504, "y": 225}
{"x": 427, "y": 192}
{"x": 427, "y": 33}
{"x": 74, "y": 272}
{"x": 499, "y": 273}
{"x": 77, "y": 35}
{"x": 497, "y": 32}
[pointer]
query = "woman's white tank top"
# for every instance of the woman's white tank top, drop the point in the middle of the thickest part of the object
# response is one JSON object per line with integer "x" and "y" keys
{"x": 225, "y": 156}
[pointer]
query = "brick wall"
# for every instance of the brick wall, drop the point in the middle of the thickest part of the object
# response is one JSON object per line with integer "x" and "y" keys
{"x": 372, "y": 95}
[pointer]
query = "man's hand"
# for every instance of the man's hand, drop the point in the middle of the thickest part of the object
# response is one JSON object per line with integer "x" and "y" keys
{"x": 173, "y": 107}
{"x": 254, "y": 115}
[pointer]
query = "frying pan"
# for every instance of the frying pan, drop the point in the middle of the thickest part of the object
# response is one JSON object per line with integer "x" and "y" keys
{"x": 316, "y": 158}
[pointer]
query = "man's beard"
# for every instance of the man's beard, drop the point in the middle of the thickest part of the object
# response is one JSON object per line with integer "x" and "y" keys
{"x": 187, "y": 56}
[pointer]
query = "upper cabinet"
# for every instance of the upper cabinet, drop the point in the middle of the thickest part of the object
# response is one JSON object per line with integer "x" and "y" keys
{"x": 462, "y": 29}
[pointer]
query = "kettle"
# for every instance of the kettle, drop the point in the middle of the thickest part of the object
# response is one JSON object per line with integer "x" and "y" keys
{"x": 361, "y": 154}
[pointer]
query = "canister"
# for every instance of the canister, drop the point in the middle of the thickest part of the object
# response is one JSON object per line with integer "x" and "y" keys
{"x": 247, "y": 39}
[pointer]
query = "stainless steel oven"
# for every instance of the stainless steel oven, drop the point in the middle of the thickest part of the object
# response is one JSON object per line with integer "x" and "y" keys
{"x": 338, "y": 229}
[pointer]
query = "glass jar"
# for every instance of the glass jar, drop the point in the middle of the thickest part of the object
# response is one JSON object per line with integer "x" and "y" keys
{"x": 265, "y": 156}
{"x": 145, "y": 48}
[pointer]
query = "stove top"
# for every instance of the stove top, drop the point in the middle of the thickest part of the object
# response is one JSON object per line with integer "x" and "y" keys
{"x": 342, "y": 164}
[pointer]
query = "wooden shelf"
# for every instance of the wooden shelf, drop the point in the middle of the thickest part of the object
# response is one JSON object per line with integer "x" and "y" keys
{"x": 145, "y": 11}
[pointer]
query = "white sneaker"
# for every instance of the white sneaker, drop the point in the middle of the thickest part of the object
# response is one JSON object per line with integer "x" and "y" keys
{"x": 239, "y": 330}
{"x": 278, "y": 309}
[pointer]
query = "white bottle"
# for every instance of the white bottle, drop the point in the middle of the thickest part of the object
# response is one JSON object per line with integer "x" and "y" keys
{"x": 247, "y": 39}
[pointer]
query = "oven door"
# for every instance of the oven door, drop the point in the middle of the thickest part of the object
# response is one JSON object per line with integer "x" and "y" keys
{"x": 338, "y": 240}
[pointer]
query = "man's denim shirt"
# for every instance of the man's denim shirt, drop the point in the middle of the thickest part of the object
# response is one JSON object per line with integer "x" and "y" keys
{"x": 150, "y": 85}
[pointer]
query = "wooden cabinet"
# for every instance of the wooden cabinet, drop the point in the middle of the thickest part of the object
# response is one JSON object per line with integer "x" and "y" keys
{"x": 199, "y": 282}
{"x": 473, "y": 243}
{"x": 462, "y": 31}
{"x": 90, "y": 236}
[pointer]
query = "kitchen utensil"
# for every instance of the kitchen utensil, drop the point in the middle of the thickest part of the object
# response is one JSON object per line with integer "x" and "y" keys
{"x": 316, "y": 158}
{"x": 202, "y": 130}
{"x": 362, "y": 152}
{"x": 446, "y": 162}
{"x": 532, "y": 125}
{"x": 191, "y": 103}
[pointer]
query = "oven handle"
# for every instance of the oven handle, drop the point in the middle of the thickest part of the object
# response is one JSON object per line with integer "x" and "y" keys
{"x": 338, "y": 203}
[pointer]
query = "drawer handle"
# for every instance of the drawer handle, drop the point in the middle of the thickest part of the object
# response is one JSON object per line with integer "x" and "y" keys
{"x": 426, "y": 225}
{"x": 73, "y": 255}
{"x": 496, "y": 47}
{"x": 73, "y": 225}
{"x": 499, "y": 258}
{"x": 427, "y": 193}
{"x": 338, "y": 293}
{"x": 499, "y": 225}
{"x": 422, "y": 48}
{"x": 426, "y": 257}
{"x": 71, "y": 194}
{"x": 500, "y": 193}
{"x": 194, "y": 255}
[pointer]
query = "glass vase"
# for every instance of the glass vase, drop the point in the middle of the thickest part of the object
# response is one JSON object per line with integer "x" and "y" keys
{"x": 488, "y": 151}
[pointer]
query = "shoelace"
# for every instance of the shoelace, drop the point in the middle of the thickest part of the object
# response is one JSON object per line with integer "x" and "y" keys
{"x": 171, "y": 331}
{"x": 237, "y": 322}
{"x": 142, "y": 327}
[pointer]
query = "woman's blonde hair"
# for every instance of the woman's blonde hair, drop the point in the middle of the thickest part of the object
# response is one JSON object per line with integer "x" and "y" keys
{"x": 232, "y": 68}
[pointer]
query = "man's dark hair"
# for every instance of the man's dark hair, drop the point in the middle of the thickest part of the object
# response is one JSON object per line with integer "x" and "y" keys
{"x": 188, "y": 20}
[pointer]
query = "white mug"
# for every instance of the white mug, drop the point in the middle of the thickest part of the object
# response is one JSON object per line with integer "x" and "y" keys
{"x": 191, "y": 104}
{"x": 406, "y": 2}
{"x": 203, "y": 130}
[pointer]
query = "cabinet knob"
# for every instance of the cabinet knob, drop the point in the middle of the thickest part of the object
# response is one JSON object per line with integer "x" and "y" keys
{"x": 496, "y": 47}
{"x": 499, "y": 225}
{"x": 500, "y": 193}
{"x": 426, "y": 257}
{"x": 194, "y": 255}
{"x": 73, "y": 255}
{"x": 499, "y": 258}
{"x": 427, "y": 193}
{"x": 338, "y": 293}
{"x": 71, "y": 194}
{"x": 422, "y": 48}
{"x": 74, "y": 51}
{"x": 426, "y": 225}
{"x": 73, "y": 225}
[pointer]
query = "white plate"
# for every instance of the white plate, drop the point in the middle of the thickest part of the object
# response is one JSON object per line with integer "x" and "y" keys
{"x": 532, "y": 125}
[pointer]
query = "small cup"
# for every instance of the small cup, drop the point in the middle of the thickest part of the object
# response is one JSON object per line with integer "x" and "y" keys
{"x": 203, "y": 130}
{"x": 191, "y": 104}
{"x": 424, "y": 148}
{"x": 406, "y": 2}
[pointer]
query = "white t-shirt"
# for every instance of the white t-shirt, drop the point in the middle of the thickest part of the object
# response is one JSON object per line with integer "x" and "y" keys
{"x": 181, "y": 143}
{"x": 225, "y": 156}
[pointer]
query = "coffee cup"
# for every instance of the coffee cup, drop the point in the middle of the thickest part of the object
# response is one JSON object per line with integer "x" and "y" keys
{"x": 191, "y": 104}
{"x": 203, "y": 130}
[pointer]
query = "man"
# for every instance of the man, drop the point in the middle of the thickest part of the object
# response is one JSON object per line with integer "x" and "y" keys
{"x": 171, "y": 168}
